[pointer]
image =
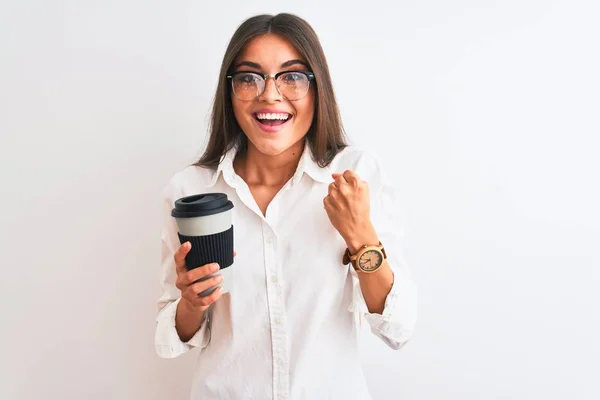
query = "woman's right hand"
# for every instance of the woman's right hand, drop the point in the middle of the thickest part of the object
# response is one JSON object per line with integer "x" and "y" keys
{"x": 187, "y": 281}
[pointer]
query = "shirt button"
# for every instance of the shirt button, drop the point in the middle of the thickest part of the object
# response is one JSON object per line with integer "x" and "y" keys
{"x": 269, "y": 239}
{"x": 274, "y": 279}
{"x": 277, "y": 321}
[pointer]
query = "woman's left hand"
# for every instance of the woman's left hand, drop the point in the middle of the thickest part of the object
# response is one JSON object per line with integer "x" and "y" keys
{"x": 348, "y": 208}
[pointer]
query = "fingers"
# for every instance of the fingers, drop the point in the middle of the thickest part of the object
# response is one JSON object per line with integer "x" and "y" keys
{"x": 331, "y": 188}
{"x": 205, "y": 301}
{"x": 195, "y": 274}
{"x": 339, "y": 179}
{"x": 200, "y": 287}
{"x": 348, "y": 176}
{"x": 351, "y": 177}
{"x": 195, "y": 281}
{"x": 345, "y": 185}
{"x": 188, "y": 278}
{"x": 180, "y": 254}
{"x": 327, "y": 202}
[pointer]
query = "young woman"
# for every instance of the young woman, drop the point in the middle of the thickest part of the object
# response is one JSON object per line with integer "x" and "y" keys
{"x": 316, "y": 233}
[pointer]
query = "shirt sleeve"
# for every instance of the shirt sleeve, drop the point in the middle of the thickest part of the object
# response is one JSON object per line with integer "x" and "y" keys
{"x": 396, "y": 323}
{"x": 167, "y": 341}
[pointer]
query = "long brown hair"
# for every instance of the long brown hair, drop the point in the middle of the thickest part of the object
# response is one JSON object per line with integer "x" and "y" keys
{"x": 326, "y": 135}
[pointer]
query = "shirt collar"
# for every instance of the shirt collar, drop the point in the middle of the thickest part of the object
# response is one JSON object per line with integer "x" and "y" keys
{"x": 225, "y": 166}
{"x": 311, "y": 168}
{"x": 305, "y": 165}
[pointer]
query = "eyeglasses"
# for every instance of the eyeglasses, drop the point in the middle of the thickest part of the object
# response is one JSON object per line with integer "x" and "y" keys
{"x": 293, "y": 85}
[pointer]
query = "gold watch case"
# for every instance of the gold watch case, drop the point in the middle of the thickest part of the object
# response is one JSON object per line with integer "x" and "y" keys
{"x": 367, "y": 259}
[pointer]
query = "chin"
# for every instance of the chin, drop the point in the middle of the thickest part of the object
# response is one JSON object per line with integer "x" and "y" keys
{"x": 273, "y": 144}
{"x": 271, "y": 147}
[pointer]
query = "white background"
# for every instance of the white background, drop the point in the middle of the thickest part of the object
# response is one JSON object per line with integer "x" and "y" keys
{"x": 485, "y": 113}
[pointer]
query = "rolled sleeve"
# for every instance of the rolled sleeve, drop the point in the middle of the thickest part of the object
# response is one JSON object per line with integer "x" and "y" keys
{"x": 167, "y": 341}
{"x": 395, "y": 325}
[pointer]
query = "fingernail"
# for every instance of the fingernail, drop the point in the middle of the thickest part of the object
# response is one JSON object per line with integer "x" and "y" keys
{"x": 215, "y": 267}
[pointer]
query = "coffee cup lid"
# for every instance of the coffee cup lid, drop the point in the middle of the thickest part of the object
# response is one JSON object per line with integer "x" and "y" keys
{"x": 201, "y": 205}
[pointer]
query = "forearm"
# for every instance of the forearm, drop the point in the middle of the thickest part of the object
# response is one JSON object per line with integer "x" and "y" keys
{"x": 187, "y": 320}
{"x": 374, "y": 286}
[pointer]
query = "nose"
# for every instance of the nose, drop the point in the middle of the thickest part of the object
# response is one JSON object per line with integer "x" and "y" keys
{"x": 271, "y": 93}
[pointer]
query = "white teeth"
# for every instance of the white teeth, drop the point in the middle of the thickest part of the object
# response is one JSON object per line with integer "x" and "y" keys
{"x": 272, "y": 116}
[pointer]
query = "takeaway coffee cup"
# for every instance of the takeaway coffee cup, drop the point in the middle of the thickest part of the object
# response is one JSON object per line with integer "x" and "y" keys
{"x": 205, "y": 220}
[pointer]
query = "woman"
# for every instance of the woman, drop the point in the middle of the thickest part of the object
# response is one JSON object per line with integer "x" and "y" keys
{"x": 305, "y": 203}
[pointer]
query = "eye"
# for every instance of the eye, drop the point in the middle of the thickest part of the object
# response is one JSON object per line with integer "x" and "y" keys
{"x": 247, "y": 78}
{"x": 293, "y": 77}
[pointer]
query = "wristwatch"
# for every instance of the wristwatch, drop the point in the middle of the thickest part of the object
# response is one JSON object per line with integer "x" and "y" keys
{"x": 367, "y": 259}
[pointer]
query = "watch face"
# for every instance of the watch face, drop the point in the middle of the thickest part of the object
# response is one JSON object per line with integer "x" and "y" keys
{"x": 370, "y": 260}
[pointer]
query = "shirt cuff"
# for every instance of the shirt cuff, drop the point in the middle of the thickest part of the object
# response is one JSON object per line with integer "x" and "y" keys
{"x": 167, "y": 341}
{"x": 396, "y": 323}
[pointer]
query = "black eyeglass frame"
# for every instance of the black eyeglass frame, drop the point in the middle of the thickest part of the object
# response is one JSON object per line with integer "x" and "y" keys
{"x": 308, "y": 74}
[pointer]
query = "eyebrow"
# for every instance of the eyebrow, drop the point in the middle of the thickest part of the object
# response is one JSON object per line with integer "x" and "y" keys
{"x": 284, "y": 65}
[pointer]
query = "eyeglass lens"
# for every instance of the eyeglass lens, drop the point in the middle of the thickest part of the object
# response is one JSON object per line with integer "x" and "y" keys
{"x": 291, "y": 85}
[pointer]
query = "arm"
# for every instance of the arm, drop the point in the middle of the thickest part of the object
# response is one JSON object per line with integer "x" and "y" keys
{"x": 376, "y": 286}
{"x": 181, "y": 325}
{"x": 192, "y": 308}
{"x": 387, "y": 298}
{"x": 188, "y": 320}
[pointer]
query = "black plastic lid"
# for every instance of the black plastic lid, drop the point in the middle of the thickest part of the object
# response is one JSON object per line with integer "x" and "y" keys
{"x": 201, "y": 205}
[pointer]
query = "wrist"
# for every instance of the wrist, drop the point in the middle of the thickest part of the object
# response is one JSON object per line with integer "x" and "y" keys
{"x": 189, "y": 308}
{"x": 361, "y": 237}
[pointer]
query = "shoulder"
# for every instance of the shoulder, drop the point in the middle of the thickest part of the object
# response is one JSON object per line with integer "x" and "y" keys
{"x": 190, "y": 179}
{"x": 365, "y": 163}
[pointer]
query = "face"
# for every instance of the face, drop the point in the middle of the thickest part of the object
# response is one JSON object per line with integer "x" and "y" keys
{"x": 370, "y": 260}
{"x": 272, "y": 122}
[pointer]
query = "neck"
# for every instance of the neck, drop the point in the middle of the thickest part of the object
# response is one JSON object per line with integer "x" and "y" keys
{"x": 257, "y": 168}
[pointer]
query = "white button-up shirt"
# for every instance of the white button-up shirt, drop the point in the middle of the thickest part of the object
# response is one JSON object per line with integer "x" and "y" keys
{"x": 288, "y": 328}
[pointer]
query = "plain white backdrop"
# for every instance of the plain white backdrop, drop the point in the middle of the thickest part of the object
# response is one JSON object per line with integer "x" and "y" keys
{"x": 485, "y": 114}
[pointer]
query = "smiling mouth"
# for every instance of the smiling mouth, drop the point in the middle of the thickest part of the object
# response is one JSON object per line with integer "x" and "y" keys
{"x": 272, "y": 119}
